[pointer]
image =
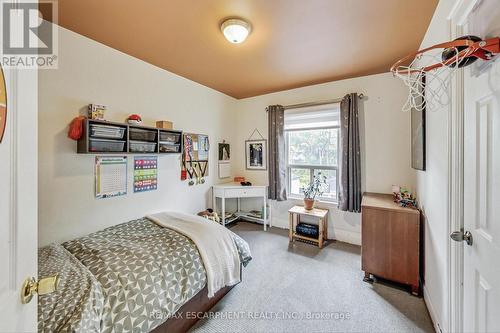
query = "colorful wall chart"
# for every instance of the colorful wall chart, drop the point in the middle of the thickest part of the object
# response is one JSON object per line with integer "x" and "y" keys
{"x": 110, "y": 176}
{"x": 145, "y": 173}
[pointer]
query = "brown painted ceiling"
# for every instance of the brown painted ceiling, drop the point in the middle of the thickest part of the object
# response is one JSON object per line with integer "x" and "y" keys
{"x": 293, "y": 43}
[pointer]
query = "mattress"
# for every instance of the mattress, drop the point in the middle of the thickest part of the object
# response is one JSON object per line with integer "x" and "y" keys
{"x": 130, "y": 277}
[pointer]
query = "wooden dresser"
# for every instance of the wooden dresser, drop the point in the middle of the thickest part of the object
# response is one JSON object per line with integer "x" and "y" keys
{"x": 390, "y": 238}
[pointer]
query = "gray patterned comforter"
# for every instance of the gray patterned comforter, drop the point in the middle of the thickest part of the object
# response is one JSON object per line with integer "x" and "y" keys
{"x": 134, "y": 277}
{"x": 78, "y": 303}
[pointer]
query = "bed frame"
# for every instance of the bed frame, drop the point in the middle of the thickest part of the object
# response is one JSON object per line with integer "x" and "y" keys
{"x": 198, "y": 303}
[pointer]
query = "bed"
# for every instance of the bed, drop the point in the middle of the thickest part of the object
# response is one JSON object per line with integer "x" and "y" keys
{"x": 138, "y": 276}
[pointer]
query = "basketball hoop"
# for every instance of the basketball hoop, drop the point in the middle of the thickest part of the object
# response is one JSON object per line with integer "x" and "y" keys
{"x": 427, "y": 73}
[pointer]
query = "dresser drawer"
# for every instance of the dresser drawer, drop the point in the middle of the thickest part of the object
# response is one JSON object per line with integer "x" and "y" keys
{"x": 244, "y": 192}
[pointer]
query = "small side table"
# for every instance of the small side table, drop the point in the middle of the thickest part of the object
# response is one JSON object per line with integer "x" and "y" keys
{"x": 322, "y": 214}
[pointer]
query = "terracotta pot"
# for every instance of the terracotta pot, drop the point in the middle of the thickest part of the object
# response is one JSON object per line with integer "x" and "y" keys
{"x": 309, "y": 204}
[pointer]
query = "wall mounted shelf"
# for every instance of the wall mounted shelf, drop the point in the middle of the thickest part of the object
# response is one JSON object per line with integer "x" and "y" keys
{"x": 106, "y": 137}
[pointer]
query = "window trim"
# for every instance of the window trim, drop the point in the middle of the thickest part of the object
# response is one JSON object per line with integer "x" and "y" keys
{"x": 311, "y": 167}
{"x": 311, "y": 128}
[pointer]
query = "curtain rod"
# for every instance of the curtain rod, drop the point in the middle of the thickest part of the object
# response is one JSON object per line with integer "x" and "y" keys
{"x": 331, "y": 101}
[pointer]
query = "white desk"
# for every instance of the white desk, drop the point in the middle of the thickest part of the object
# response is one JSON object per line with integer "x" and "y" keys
{"x": 235, "y": 190}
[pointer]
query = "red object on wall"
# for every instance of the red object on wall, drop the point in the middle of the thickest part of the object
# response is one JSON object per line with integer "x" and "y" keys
{"x": 76, "y": 128}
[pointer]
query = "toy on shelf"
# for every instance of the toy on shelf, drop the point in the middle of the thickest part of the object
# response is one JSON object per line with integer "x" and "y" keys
{"x": 96, "y": 111}
{"x": 403, "y": 197}
{"x": 134, "y": 119}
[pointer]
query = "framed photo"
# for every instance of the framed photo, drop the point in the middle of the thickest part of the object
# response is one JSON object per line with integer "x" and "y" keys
{"x": 224, "y": 152}
{"x": 256, "y": 154}
{"x": 418, "y": 135}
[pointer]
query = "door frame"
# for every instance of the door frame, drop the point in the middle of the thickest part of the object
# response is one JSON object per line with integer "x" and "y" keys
{"x": 13, "y": 122}
{"x": 457, "y": 20}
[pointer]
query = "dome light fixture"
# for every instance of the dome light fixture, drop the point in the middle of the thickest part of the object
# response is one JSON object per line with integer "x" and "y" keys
{"x": 235, "y": 30}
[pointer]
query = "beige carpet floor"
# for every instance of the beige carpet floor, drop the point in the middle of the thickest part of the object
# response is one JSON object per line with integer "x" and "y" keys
{"x": 299, "y": 288}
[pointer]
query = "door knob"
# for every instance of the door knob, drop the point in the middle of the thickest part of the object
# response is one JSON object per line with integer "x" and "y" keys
{"x": 460, "y": 236}
{"x": 41, "y": 287}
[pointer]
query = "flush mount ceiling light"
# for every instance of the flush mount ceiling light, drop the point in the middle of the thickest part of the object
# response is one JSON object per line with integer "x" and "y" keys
{"x": 235, "y": 30}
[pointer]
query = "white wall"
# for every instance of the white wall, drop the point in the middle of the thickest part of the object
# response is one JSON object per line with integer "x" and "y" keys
{"x": 385, "y": 140}
{"x": 90, "y": 72}
{"x": 432, "y": 187}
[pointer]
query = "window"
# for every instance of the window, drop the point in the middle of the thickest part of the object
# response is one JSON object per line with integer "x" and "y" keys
{"x": 312, "y": 140}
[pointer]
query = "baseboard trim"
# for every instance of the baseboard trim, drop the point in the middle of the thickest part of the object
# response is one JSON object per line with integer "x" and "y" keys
{"x": 432, "y": 312}
{"x": 347, "y": 236}
{"x": 341, "y": 235}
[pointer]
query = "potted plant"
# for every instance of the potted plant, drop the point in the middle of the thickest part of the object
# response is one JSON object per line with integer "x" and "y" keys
{"x": 316, "y": 187}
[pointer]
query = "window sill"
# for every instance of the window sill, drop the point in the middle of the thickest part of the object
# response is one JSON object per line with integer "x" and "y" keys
{"x": 321, "y": 201}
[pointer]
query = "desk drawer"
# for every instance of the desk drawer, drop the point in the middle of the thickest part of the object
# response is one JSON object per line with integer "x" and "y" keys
{"x": 244, "y": 192}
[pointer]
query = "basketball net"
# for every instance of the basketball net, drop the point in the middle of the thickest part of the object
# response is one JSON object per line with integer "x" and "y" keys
{"x": 430, "y": 71}
{"x": 429, "y": 89}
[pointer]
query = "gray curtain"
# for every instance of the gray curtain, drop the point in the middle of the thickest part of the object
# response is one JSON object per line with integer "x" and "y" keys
{"x": 277, "y": 164}
{"x": 350, "y": 156}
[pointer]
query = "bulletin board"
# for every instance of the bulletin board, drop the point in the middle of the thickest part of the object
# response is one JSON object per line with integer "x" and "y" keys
{"x": 194, "y": 167}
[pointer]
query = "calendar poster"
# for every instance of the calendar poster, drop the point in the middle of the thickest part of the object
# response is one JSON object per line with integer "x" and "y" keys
{"x": 110, "y": 176}
{"x": 145, "y": 173}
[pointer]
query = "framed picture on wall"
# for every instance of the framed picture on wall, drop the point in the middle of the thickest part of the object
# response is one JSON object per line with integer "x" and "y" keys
{"x": 256, "y": 154}
{"x": 224, "y": 152}
{"x": 418, "y": 133}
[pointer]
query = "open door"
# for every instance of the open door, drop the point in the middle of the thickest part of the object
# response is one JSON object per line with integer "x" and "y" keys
{"x": 481, "y": 233}
{"x": 18, "y": 197}
{"x": 481, "y": 202}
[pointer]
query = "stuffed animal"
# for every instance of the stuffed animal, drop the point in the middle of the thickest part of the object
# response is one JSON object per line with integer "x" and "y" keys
{"x": 210, "y": 215}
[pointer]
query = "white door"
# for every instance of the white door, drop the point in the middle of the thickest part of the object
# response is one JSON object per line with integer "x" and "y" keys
{"x": 18, "y": 201}
{"x": 482, "y": 184}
